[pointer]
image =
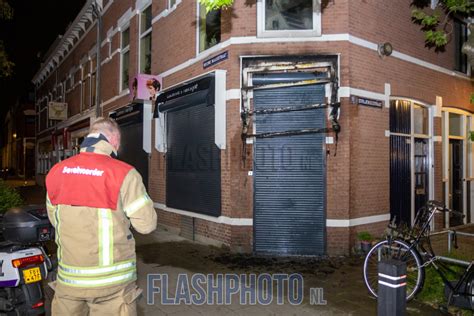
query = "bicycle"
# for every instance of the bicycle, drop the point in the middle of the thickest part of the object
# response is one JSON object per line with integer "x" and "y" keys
{"x": 413, "y": 246}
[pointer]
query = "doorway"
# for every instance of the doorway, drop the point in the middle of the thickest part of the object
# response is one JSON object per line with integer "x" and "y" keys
{"x": 456, "y": 180}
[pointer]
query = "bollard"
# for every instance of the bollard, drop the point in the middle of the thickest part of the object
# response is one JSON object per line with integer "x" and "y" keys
{"x": 392, "y": 288}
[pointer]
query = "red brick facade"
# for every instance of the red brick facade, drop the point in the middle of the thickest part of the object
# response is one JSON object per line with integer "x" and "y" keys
{"x": 358, "y": 177}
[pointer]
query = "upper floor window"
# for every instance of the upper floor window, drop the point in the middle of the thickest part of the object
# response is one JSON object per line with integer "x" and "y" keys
{"x": 124, "y": 58}
{"x": 460, "y": 37}
{"x": 289, "y": 18}
{"x": 209, "y": 28}
{"x": 145, "y": 41}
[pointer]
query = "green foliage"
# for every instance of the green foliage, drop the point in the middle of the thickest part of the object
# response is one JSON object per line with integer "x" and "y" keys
{"x": 436, "y": 31}
{"x": 8, "y": 197}
{"x": 438, "y": 38}
{"x": 216, "y": 4}
{"x": 6, "y": 11}
{"x": 364, "y": 236}
{"x": 6, "y": 66}
{"x": 433, "y": 288}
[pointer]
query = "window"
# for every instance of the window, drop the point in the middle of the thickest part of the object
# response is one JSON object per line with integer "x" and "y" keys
{"x": 289, "y": 18}
{"x": 455, "y": 127}
{"x": 145, "y": 41}
{"x": 460, "y": 37}
{"x": 420, "y": 119}
{"x": 171, "y": 3}
{"x": 124, "y": 59}
{"x": 209, "y": 28}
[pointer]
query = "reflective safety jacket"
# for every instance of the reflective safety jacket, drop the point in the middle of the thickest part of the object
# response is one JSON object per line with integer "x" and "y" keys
{"x": 92, "y": 200}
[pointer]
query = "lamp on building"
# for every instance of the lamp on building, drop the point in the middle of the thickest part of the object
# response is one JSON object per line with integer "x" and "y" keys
{"x": 385, "y": 49}
{"x": 14, "y": 135}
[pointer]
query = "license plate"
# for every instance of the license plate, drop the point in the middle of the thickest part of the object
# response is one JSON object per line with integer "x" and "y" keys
{"x": 32, "y": 275}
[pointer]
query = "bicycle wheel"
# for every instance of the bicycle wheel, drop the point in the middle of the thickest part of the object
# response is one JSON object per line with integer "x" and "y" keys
{"x": 399, "y": 250}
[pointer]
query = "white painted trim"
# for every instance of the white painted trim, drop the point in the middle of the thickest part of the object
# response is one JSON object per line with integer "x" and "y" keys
{"x": 315, "y": 31}
{"x": 147, "y": 117}
{"x": 233, "y": 94}
{"x": 124, "y": 20}
{"x": 346, "y": 92}
{"x": 357, "y": 221}
{"x": 249, "y": 221}
{"x": 323, "y": 38}
{"x": 140, "y": 5}
{"x": 220, "y": 109}
{"x": 220, "y": 220}
{"x": 160, "y": 135}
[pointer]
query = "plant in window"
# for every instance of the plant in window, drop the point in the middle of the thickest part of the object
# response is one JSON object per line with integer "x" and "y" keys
{"x": 216, "y": 4}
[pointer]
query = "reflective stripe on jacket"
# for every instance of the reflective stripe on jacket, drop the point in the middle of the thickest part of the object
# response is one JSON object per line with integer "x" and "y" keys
{"x": 92, "y": 200}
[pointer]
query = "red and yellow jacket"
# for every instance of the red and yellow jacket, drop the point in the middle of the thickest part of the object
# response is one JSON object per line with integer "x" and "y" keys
{"x": 93, "y": 200}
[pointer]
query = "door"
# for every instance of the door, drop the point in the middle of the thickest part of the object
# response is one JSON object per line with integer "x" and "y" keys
{"x": 400, "y": 179}
{"x": 456, "y": 180}
{"x": 289, "y": 174}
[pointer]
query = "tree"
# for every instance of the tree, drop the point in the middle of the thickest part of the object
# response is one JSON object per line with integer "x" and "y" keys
{"x": 436, "y": 24}
{"x": 6, "y": 66}
{"x": 216, "y": 4}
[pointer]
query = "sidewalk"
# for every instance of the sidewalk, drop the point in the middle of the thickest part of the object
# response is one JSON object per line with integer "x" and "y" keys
{"x": 341, "y": 279}
{"x": 165, "y": 253}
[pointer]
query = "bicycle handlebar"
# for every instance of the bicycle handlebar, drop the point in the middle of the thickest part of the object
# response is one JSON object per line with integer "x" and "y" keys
{"x": 439, "y": 206}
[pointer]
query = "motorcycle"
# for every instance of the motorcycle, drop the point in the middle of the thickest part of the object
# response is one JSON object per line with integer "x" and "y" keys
{"x": 24, "y": 263}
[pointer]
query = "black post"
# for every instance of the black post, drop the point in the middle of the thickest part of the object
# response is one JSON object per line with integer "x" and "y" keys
{"x": 392, "y": 288}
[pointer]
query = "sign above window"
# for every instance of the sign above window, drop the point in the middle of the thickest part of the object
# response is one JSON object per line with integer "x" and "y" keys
{"x": 57, "y": 111}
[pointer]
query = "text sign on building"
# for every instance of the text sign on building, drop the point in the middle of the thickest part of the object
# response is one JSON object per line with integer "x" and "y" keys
{"x": 367, "y": 102}
{"x": 215, "y": 60}
{"x": 57, "y": 111}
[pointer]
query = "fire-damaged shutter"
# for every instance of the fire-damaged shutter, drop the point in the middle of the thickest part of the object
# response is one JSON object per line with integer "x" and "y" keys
{"x": 289, "y": 172}
{"x": 193, "y": 175}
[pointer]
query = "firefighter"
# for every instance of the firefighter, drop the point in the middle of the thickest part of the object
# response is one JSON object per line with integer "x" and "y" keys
{"x": 92, "y": 200}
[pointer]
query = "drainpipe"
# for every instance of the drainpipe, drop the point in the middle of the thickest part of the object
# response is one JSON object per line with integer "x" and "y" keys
{"x": 97, "y": 10}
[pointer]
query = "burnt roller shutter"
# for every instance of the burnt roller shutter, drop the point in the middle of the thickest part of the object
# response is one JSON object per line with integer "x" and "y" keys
{"x": 193, "y": 174}
{"x": 289, "y": 174}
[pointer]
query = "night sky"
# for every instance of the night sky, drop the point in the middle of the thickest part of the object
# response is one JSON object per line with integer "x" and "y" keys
{"x": 34, "y": 27}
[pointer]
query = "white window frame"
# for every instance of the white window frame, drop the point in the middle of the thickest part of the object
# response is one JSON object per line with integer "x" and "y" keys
{"x": 198, "y": 30}
{"x": 172, "y": 6}
{"x": 261, "y": 32}
{"x": 122, "y": 52}
{"x": 142, "y": 35}
{"x": 468, "y": 173}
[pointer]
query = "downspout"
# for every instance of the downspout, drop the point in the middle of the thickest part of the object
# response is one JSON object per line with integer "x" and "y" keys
{"x": 97, "y": 10}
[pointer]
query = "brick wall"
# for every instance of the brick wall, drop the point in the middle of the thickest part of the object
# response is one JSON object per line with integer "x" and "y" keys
{"x": 358, "y": 169}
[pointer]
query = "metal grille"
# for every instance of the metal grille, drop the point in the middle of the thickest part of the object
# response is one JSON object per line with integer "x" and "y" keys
{"x": 289, "y": 202}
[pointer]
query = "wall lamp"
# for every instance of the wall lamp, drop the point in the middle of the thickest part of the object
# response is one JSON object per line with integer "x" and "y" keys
{"x": 385, "y": 49}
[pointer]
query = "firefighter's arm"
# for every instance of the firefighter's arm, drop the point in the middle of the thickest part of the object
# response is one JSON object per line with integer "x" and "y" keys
{"x": 50, "y": 208}
{"x": 136, "y": 203}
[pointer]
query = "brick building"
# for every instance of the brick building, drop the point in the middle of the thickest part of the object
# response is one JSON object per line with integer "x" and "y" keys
{"x": 230, "y": 149}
